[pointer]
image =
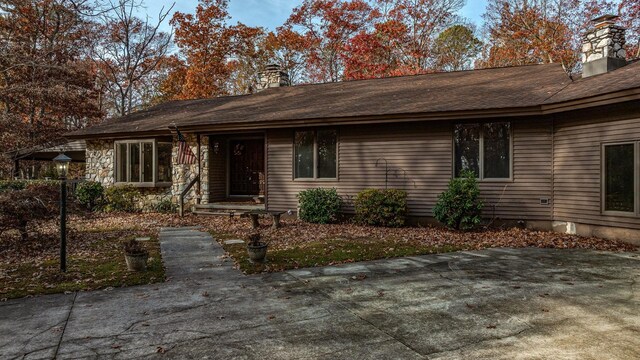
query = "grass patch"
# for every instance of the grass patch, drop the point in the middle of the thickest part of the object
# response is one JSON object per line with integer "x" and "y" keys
{"x": 95, "y": 261}
{"x": 329, "y": 252}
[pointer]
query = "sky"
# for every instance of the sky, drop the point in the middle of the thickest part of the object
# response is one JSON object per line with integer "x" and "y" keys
{"x": 269, "y": 13}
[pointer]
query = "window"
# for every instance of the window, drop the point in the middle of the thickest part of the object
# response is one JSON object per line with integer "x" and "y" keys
{"x": 620, "y": 178}
{"x": 484, "y": 149}
{"x": 315, "y": 154}
{"x": 143, "y": 162}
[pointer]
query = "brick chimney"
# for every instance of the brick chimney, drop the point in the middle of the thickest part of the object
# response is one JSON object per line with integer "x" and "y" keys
{"x": 603, "y": 47}
{"x": 272, "y": 76}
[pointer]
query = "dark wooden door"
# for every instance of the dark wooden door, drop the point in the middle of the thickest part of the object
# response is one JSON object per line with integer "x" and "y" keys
{"x": 246, "y": 167}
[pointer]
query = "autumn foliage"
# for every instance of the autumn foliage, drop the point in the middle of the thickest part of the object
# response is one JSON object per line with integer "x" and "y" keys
{"x": 46, "y": 84}
{"x": 525, "y": 36}
{"x": 67, "y": 64}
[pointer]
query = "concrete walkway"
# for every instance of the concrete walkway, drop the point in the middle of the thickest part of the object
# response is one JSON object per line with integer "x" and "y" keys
{"x": 493, "y": 304}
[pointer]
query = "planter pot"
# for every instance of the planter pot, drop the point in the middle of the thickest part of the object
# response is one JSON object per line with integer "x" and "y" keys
{"x": 137, "y": 262}
{"x": 257, "y": 253}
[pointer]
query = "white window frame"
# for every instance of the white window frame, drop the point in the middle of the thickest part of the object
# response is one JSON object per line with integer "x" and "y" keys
{"x": 481, "y": 151}
{"x": 154, "y": 164}
{"x": 636, "y": 177}
{"x": 315, "y": 156}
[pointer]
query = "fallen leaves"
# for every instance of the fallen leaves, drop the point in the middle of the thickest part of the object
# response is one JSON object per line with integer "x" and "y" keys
{"x": 94, "y": 256}
{"x": 93, "y": 236}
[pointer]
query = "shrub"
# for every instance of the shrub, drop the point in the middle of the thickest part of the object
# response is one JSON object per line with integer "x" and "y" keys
{"x": 11, "y": 185}
{"x": 254, "y": 239}
{"x": 460, "y": 207}
{"x": 379, "y": 207}
{"x": 89, "y": 194}
{"x": 134, "y": 247}
{"x": 165, "y": 206}
{"x": 320, "y": 206}
{"x": 121, "y": 198}
{"x": 19, "y": 208}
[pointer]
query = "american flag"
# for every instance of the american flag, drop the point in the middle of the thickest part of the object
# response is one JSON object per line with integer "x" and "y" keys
{"x": 185, "y": 155}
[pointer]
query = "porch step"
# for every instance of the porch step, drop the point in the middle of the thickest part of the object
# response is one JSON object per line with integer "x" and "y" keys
{"x": 225, "y": 207}
{"x": 230, "y": 213}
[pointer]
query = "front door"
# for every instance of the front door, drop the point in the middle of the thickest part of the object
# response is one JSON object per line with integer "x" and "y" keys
{"x": 246, "y": 167}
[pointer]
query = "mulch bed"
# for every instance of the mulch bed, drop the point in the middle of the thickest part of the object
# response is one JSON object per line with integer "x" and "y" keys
{"x": 296, "y": 233}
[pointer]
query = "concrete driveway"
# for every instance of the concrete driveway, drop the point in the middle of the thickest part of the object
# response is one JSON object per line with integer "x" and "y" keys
{"x": 493, "y": 304}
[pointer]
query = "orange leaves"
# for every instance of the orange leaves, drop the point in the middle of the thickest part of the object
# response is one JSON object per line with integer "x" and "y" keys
{"x": 327, "y": 27}
{"x": 213, "y": 50}
{"x": 543, "y": 32}
{"x": 354, "y": 39}
{"x": 529, "y": 36}
{"x": 630, "y": 13}
{"x": 205, "y": 41}
{"x": 47, "y": 87}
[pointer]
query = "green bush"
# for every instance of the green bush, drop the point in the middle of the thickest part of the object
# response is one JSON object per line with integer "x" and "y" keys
{"x": 11, "y": 185}
{"x": 380, "y": 207}
{"x": 319, "y": 206}
{"x": 90, "y": 194}
{"x": 460, "y": 207}
{"x": 121, "y": 198}
{"x": 165, "y": 206}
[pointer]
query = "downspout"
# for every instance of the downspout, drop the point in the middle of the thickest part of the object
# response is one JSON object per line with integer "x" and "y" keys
{"x": 553, "y": 169}
{"x": 198, "y": 186}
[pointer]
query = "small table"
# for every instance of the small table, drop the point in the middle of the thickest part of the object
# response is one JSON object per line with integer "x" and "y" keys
{"x": 275, "y": 216}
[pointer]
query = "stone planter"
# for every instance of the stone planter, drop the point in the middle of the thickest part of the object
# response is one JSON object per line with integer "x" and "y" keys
{"x": 257, "y": 253}
{"x": 137, "y": 262}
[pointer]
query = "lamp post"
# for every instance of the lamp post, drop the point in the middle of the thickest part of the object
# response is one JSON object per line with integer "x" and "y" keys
{"x": 62, "y": 163}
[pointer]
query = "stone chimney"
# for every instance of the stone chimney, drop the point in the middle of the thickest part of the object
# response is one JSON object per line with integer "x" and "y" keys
{"x": 603, "y": 47}
{"x": 272, "y": 76}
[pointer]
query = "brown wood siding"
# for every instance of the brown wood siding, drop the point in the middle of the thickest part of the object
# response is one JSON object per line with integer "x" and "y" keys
{"x": 424, "y": 152}
{"x": 532, "y": 158}
{"x": 578, "y": 140}
{"x": 218, "y": 170}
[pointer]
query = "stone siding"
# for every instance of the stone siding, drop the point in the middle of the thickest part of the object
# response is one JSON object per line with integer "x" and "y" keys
{"x": 607, "y": 41}
{"x": 99, "y": 165}
{"x": 183, "y": 174}
{"x": 100, "y": 168}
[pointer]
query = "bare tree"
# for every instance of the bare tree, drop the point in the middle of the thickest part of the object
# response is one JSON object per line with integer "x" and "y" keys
{"x": 128, "y": 50}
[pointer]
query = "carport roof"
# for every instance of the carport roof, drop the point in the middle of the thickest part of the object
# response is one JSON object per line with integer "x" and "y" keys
{"x": 75, "y": 149}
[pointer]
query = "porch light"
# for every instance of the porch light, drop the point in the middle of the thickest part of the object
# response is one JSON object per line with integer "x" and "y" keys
{"x": 62, "y": 164}
{"x": 216, "y": 147}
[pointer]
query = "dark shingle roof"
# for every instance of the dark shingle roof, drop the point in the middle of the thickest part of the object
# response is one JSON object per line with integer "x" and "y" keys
{"x": 475, "y": 90}
{"x": 625, "y": 78}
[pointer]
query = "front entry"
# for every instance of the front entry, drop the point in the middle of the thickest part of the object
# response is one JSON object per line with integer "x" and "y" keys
{"x": 246, "y": 167}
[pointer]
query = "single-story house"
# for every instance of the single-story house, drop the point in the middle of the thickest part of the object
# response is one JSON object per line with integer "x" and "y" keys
{"x": 550, "y": 150}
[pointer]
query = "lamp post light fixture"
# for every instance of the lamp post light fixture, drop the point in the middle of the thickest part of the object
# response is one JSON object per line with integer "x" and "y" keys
{"x": 62, "y": 163}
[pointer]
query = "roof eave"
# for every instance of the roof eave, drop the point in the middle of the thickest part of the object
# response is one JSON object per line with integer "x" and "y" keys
{"x": 116, "y": 135}
{"x": 538, "y": 110}
{"x": 593, "y": 101}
